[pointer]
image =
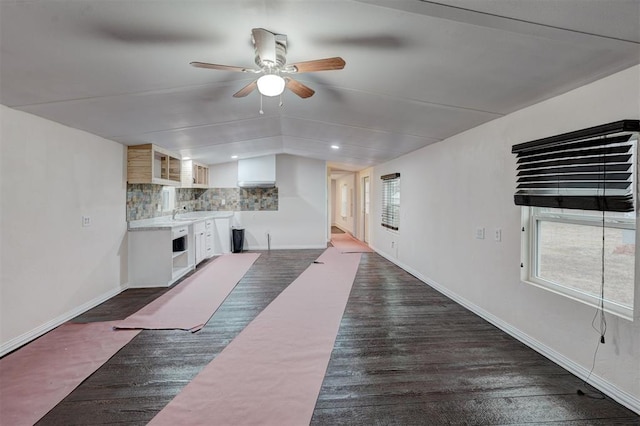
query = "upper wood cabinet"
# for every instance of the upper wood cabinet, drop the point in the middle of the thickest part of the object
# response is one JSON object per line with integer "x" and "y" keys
{"x": 149, "y": 163}
{"x": 194, "y": 175}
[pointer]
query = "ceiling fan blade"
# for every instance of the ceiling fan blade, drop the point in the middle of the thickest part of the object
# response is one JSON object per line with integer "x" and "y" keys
{"x": 246, "y": 89}
{"x": 299, "y": 88}
{"x": 265, "y": 43}
{"x": 220, "y": 67}
{"x": 327, "y": 64}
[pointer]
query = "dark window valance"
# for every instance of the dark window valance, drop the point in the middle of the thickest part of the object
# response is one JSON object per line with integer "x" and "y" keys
{"x": 390, "y": 176}
{"x": 589, "y": 169}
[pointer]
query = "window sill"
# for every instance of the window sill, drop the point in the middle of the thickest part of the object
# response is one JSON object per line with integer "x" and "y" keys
{"x": 618, "y": 310}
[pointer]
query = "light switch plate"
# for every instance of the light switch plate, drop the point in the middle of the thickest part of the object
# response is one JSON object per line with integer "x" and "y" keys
{"x": 479, "y": 233}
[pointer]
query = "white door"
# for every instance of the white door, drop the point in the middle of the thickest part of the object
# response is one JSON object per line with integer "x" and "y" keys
{"x": 365, "y": 210}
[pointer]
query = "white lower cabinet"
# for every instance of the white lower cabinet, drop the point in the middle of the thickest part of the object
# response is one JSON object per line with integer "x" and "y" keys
{"x": 209, "y": 232}
{"x": 161, "y": 251}
{"x": 199, "y": 235}
{"x": 159, "y": 257}
{"x": 212, "y": 238}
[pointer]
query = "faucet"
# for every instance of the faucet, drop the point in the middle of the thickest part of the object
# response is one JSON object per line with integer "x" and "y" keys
{"x": 175, "y": 212}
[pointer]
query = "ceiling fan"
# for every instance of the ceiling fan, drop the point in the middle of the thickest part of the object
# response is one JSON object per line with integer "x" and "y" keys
{"x": 271, "y": 58}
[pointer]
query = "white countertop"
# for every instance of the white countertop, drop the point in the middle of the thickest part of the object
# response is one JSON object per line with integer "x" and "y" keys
{"x": 183, "y": 219}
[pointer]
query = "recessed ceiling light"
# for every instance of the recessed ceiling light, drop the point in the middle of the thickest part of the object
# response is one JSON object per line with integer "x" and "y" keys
{"x": 234, "y": 156}
{"x": 186, "y": 158}
{"x": 335, "y": 147}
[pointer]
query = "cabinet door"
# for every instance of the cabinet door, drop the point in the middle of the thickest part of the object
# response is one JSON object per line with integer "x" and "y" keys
{"x": 208, "y": 239}
{"x": 200, "y": 246}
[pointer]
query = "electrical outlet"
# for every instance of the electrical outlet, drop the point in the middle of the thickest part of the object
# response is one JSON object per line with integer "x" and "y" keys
{"x": 86, "y": 221}
{"x": 497, "y": 235}
{"x": 479, "y": 233}
{"x": 223, "y": 202}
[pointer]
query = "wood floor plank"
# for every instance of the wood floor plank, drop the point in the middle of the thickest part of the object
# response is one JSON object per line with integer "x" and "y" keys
{"x": 404, "y": 355}
{"x": 129, "y": 389}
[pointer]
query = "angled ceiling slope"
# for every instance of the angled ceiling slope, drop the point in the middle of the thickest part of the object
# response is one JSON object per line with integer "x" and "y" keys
{"x": 417, "y": 71}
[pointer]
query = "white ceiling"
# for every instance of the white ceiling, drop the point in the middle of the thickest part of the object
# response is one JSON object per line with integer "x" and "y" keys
{"x": 417, "y": 71}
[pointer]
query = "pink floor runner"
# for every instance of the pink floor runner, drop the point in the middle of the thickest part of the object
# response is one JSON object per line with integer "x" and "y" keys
{"x": 190, "y": 304}
{"x": 35, "y": 378}
{"x": 347, "y": 244}
{"x": 271, "y": 373}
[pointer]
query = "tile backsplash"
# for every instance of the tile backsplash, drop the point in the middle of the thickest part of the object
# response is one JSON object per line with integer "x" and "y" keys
{"x": 143, "y": 200}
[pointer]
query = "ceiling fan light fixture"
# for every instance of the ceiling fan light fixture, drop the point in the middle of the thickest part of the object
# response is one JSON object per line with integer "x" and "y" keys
{"x": 271, "y": 85}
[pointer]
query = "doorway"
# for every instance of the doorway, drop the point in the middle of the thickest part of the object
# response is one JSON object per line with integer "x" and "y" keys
{"x": 366, "y": 190}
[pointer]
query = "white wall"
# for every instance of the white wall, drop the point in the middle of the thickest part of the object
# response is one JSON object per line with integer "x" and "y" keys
{"x": 224, "y": 175}
{"x": 334, "y": 200}
{"x": 346, "y": 223}
{"x": 301, "y": 218}
{"x": 467, "y": 181}
{"x": 51, "y": 267}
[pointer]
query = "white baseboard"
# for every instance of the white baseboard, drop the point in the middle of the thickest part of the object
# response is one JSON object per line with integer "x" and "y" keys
{"x": 628, "y": 400}
{"x": 30, "y": 335}
{"x": 288, "y": 247}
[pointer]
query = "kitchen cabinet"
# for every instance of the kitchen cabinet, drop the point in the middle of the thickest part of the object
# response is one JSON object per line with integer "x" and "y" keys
{"x": 199, "y": 236}
{"x": 203, "y": 240}
{"x": 194, "y": 175}
{"x": 209, "y": 241}
{"x": 160, "y": 257}
{"x": 164, "y": 249}
{"x": 149, "y": 163}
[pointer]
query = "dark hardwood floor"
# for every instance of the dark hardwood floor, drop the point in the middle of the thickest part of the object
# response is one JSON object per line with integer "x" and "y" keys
{"x": 404, "y": 355}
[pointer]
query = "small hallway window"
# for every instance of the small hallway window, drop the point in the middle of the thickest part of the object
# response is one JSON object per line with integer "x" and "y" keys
{"x": 391, "y": 201}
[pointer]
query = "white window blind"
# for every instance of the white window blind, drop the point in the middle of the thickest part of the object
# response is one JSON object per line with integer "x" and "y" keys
{"x": 391, "y": 201}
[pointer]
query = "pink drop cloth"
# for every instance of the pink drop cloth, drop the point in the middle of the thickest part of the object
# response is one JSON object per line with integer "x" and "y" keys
{"x": 36, "y": 377}
{"x": 347, "y": 244}
{"x": 271, "y": 373}
{"x": 190, "y": 304}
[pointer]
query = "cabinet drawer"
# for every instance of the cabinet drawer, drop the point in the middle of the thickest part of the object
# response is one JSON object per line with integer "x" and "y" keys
{"x": 198, "y": 228}
{"x": 179, "y": 232}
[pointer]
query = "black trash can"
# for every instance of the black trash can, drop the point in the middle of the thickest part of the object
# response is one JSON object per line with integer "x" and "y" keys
{"x": 237, "y": 240}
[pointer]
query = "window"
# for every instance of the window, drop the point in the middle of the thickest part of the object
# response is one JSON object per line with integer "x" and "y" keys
{"x": 168, "y": 198}
{"x": 566, "y": 252}
{"x": 391, "y": 201}
{"x": 579, "y": 220}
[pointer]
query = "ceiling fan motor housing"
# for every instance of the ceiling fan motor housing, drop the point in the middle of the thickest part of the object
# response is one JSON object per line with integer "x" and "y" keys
{"x": 281, "y": 54}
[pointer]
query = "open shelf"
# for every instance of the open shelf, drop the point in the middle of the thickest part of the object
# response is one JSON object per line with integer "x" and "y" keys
{"x": 178, "y": 253}
{"x": 149, "y": 163}
{"x": 179, "y": 271}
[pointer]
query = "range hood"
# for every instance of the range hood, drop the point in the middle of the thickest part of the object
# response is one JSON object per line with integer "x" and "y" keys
{"x": 257, "y": 172}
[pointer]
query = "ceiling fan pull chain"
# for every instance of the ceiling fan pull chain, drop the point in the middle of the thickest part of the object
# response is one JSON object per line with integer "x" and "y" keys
{"x": 281, "y": 103}
{"x": 261, "y": 111}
